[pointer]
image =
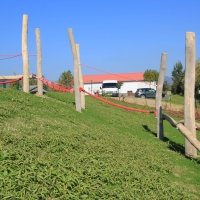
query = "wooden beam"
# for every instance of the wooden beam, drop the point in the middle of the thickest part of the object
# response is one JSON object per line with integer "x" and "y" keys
{"x": 188, "y": 134}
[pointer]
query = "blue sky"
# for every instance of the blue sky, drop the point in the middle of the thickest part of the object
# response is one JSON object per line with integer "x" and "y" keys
{"x": 118, "y": 36}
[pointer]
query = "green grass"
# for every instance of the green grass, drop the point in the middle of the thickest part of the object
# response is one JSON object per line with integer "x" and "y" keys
{"x": 179, "y": 99}
{"x": 48, "y": 150}
{"x": 175, "y": 99}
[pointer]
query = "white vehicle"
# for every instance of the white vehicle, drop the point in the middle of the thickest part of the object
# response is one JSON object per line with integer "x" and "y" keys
{"x": 110, "y": 87}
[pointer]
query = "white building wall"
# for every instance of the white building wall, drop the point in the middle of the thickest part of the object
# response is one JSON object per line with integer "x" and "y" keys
{"x": 132, "y": 86}
{"x": 127, "y": 86}
{"x": 92, "y": 88}
{"x": 147, "y": 85}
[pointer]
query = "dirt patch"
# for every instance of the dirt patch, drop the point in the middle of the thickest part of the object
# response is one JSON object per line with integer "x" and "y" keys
{"x": 180, "y": 114}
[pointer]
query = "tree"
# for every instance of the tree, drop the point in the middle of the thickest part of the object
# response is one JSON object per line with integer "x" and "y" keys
{"x": 166, "y": 86}
{"x": 120, "y": 83}
{"x": 178, "y": 79}
{"x": 150, "y": 75}
{"x": 66, "y": 78}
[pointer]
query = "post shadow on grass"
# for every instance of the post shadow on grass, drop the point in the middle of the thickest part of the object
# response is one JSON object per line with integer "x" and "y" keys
{"x": 171, "y": 145}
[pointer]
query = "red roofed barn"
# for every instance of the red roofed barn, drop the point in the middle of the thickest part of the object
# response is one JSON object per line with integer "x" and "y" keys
{"x": 131, "y": 81}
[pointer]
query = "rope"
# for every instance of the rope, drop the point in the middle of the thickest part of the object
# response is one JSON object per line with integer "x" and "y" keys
{"x": 112, "y": 73}
{"x": 13, "y": 56}
{"x": 17, "y": 54}
{"x": 104, "y": 71}
{"x": 117, "y": 105}
{"x": 9, "y": 54}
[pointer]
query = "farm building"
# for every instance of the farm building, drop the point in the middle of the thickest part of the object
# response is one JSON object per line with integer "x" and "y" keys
{"x": 131, "y": 81}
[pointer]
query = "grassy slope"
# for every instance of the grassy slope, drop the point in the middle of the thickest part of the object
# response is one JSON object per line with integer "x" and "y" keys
{"x": 48, "y": 150}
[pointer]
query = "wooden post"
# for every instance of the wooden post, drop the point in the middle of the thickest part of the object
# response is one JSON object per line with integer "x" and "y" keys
{"x": 76, "y": 70}
{"x": 25, "y": 54}
{"x": 39, "y": 61}
{"x": 159, "y": 89}
{"x": 189, "y": 110}
{"x": 80, "y": 77}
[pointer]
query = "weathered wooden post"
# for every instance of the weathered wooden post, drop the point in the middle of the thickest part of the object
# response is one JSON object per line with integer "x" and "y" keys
{"x": 160, "y": 133}
{"x": 189, "y": 107}
{"x": 39, "y": 61}
{"x": 76, "y": 70}
{"x": 25, "y": 54}
{"x": 80, "y": 76}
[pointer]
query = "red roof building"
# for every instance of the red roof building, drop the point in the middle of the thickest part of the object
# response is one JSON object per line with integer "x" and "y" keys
{"x": 131, "y": 81}
{"x": 125, "y": 77}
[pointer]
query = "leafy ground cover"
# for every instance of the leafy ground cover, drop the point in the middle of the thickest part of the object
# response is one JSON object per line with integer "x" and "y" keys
{"x": 50, "y": 151}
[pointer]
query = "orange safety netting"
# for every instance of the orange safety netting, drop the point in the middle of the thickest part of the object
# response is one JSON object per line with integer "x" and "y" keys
{"x": 55, "y": 86}
{"x": 117, "y": 105}
{"x": 13, "y": 81}
{"x": 64, "y": 88}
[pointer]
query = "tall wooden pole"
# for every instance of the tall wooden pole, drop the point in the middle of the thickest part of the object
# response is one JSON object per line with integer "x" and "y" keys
{"x": 39, "y": 61}
{"x": 80, "y": 77}
{"x": 25, "y": 54}
{"x": 163, "y": 63}
{"x": 76, "y": 70}
{"x": 189, "y": 107}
